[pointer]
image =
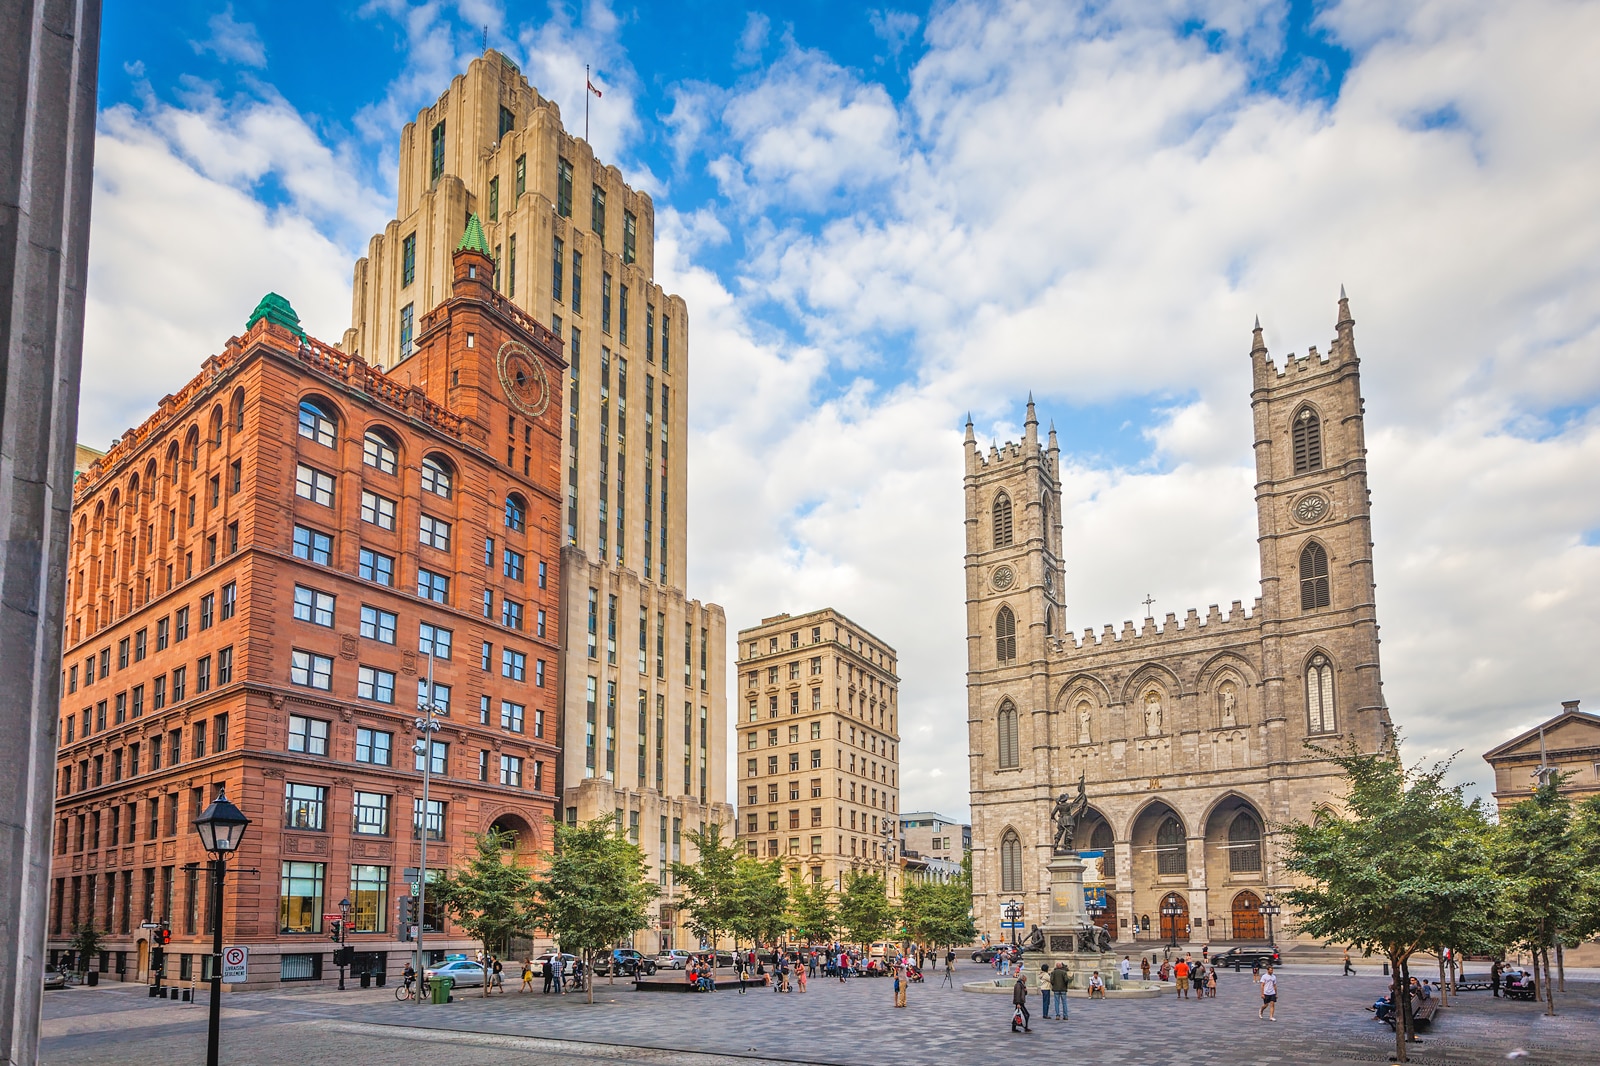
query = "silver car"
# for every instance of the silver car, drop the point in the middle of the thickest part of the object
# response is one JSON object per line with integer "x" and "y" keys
{"x": 464, "y": 972}
{"x": 672, "y": 960}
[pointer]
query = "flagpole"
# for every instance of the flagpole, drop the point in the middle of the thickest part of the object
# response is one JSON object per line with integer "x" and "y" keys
{"x": 586, "y": 101}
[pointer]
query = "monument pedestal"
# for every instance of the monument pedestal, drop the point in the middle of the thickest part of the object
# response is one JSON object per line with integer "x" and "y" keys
{"x": 1069, "y": 936}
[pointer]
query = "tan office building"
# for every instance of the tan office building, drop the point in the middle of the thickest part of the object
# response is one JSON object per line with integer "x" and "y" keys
{"x": 819, "y": 746}
{"x": 643, "y": 700}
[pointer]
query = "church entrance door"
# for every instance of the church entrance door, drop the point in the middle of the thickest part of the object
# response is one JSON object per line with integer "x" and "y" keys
{"x": 1247, "y": 921}
{"x": 1178, "y": 922}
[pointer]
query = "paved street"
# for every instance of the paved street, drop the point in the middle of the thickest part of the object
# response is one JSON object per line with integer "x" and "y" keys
{"x": 1321, "y": 1019}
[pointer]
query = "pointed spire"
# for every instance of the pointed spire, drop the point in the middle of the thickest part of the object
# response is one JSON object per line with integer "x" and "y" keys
{"x": 472, "y": 239}
{"x": 970, "y": 437}
{"x": 1344, "y": 310}
{"x": 1032, "y": 419}
{"x": 1259, "y": 347}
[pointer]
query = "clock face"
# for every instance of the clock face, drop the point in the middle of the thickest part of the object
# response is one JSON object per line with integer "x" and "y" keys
{"x": 1310, "y": 508}
{"x": 1002, "y": 578}
{"x": 523, "y": 378}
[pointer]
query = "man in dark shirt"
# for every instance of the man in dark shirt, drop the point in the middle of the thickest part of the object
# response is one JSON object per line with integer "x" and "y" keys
{"x": 1019, "y": 1003}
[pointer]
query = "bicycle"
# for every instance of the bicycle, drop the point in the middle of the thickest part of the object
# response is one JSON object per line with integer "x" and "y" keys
{"x": 408, "y": 990}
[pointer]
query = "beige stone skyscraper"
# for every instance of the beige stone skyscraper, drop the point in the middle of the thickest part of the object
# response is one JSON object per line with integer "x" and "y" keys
{"x": 819, "y": 746}
{"x": 643, "y": 722}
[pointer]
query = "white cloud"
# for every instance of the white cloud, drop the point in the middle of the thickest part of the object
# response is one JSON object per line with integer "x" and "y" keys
{"x": 895, "y": 28}
{"x": 232, "y": 41}
{"x": 1090, "y": 203}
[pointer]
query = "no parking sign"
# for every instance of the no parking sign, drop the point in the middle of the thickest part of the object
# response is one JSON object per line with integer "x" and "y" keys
{"x": 235, "y": 962}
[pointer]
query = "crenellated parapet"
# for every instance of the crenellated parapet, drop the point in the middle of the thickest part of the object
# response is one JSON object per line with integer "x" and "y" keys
{"x": 1157, "y": 638}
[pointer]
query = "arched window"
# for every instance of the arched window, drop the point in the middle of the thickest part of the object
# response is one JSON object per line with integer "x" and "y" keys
{"x": 1319, "y": 696}
{"x": 1005, "y": 635}
{"x": 317, "y": 423}
{"x": 1307, "y": 441}
{"x": 435, "y": 476}
{"x": 1313, "y": 577}
{"x": 1007, "y": 737}
{"x": 1010, "y": 862}
{"x": 1244, "y": 844}
{"x": 379, "y": 451}
{"x": 1002, "y": 521}
{"x": 516, "y": 512}
{"x": 238, "y": 410}
{"x": 1101, "y": 841}
{"x": 216, "y": 424}
{"x": 1172, "y": 848}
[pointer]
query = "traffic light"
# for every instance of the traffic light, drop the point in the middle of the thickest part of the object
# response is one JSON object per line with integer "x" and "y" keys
{"x": 158, "y": 961}
{"x": 166, "y": 937}
{"x": 335, "y": 929}
{"x": 408, "y": 912}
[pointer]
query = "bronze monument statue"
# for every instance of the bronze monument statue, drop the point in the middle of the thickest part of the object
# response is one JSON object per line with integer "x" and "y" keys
{"x": 1069, "y": 810}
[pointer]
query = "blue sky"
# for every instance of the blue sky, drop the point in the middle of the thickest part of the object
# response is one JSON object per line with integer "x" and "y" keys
{"x": 883, "y": 218}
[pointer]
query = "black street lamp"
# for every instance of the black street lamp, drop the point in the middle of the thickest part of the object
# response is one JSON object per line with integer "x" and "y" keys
{"x": 1013, "y": 915}
{"x": 1172, "y": 910}
{"x": 1095, "y": 909}
{"x": 1270, "y": 910}
{"x": 221, "y": 826}
{"x": 344, "y": 930}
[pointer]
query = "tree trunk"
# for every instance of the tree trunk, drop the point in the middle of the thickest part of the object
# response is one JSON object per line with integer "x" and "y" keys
{"x": 1561, "y": 968}
{"x": 588, "y": 974}
{"x": 1443, "y": 1002}
{"x": 1398, "y": 1001}
{"x": 1549, "y": 986}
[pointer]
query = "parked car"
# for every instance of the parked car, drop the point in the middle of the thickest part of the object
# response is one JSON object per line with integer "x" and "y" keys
{"x": 1242, "y": 957}
{"x": 986, "y": 954}
{"x": 54, "y": 979}
{"x": 464, "y": 972}
{"x": 675, "y": 959}
{"x": 722, "y": 959}
{"x": 626, "y": 962}
{"x": 567, "y": 962}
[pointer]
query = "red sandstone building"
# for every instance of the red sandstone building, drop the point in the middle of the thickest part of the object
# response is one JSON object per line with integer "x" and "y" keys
{"x": 257, "y": 575}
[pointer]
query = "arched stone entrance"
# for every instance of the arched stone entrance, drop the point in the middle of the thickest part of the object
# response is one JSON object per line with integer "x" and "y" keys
{"x": 1176, "y": 925}
{"x": 1248, "y": 924}
{"x": 1107, "y": 919}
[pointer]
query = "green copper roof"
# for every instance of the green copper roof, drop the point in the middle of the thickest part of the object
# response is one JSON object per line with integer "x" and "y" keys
{"x": 473, "y": 240}
{"x": 275, "y": 308}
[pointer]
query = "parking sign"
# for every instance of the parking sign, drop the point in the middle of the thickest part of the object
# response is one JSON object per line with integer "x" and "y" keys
{"x": 235, "y": 963}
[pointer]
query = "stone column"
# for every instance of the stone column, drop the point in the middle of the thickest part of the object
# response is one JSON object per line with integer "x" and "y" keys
{"x": 49, "y": 51}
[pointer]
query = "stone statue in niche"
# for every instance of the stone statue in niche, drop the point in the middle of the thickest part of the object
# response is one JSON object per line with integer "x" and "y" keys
{"x": 1227, "y": 699}
{"x": 1152, "y": 713}
{"x": 1083, "y": 723}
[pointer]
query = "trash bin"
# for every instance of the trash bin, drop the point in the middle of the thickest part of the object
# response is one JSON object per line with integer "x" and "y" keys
{"x": 188, "y": 995}
{"x": 94, "y": 978}
{"x": 380, "y": 978}
{"x": 366, "y": 980}
{"x": 441, "y": 989}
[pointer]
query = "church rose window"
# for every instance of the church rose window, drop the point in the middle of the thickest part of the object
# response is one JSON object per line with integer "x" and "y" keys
{"x": 1313, "y": 577}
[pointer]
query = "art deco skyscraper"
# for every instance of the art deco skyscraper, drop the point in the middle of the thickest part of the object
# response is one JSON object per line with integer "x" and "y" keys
{"x": 575, "y": 249}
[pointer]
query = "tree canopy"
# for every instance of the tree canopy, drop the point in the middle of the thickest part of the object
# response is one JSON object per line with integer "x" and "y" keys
{"x": 489, "y": 897}
{"x": 811, "y": 909}
{"x": 865, "y": 913}
{"x": 709, "y": 886}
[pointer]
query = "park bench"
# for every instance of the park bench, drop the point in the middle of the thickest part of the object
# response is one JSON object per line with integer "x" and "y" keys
{"x": 1422, "y": 1012}
{"x": 1473, "y": 982}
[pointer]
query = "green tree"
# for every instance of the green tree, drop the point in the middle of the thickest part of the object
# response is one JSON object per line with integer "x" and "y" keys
{"x": 1537, "y": 853}
{"x": 593, "y": 891}
{"x": 489, "y": 897}
{"x": 865, "y": 912}
{"x": 86, "y": 943}
{"x": 939, "y": 914}
{"x": 811, "y": 909}
{"x": 760, "y": 901}
{"x": 708, "y": 886}
{"x": 1404, "y": 868}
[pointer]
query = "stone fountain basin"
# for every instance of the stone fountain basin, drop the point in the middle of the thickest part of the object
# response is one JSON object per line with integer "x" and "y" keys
{"x": 1126, "y": 989}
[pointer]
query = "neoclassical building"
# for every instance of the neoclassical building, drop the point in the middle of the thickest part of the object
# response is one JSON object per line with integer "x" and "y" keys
{"x": 1192, "y": 735}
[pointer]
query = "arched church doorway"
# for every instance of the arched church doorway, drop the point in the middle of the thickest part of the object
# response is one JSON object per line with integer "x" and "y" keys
{"x": 1248, "y": 924}
{"x": 1107, "y": 919}
{"x": 1175, "y": 924}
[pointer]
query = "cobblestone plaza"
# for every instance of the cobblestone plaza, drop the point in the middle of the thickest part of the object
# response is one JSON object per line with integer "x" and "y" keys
{"x": 1322, "y": 1018}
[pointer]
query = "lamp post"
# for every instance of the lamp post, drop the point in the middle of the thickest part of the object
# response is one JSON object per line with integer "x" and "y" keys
{"x": 426, "y": 726}
{"x": 1095, "y": 909}
{"x": 221, "y": 826}
{"x": 1270, "y": 910}
{"x": 1171, "y": 910}
{"x": 344, "y": 931}
{"x": 1013, "y": 914}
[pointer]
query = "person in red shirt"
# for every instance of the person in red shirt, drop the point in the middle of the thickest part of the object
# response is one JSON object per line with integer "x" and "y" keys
{"x": 1181, "y": 971}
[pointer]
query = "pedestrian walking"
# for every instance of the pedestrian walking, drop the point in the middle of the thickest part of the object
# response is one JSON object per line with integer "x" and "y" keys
{"x": 1181, "y": 972}
{"x": 548, "y": 973}
{"x": 1045, "y": 989}
{"x": 1019, "y": 1005}
{"x": 1127, "y": 967}
{"x": 1060, "y": 978}
{"x": 1348, "y": 969}
{"x": 497, "y": 975}
{"x": 527, "y": 976}
{"x": 1211, "y": 981}
{"x": 1495, "y": 972}
{"x": 1144, "y": 968}
{"x": 1269, "y": 995}
{"x": 800, "y": 975}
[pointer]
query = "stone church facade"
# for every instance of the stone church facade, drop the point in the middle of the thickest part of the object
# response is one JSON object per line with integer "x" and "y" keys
{"x": 1191, "y": 735}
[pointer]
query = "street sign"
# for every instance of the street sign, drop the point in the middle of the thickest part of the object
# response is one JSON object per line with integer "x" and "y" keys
{"x": 235, "y": 962}
{"x": 152, "y": 925}
{"x": 1011, "y": 925}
